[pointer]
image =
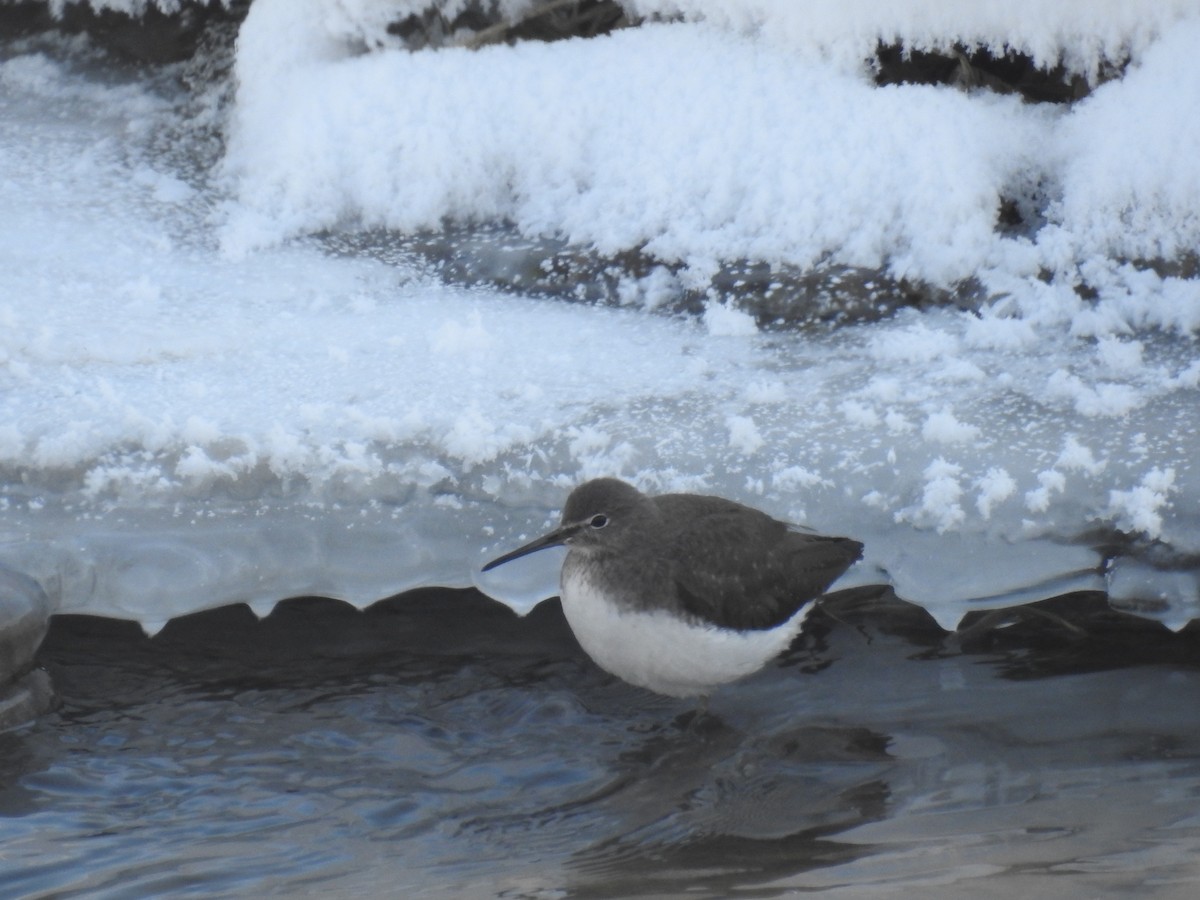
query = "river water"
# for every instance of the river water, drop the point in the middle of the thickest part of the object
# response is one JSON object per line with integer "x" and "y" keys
{"x": 437, "y": 745}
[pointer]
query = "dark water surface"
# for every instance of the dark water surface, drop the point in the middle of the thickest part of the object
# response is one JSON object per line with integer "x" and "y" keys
{"x": 438, "y": 746}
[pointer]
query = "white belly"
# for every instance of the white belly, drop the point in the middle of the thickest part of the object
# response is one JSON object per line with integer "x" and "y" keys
{"x": 663, "y": 653}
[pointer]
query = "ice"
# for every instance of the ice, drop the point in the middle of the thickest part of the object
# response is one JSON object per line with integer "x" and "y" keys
{"x": 201, "y": 403}
{"x": 1175, "y": 594}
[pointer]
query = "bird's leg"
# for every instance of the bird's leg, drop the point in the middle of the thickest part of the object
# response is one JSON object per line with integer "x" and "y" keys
{"x": 825, "y": 609}
{"x": 700, "y": 721}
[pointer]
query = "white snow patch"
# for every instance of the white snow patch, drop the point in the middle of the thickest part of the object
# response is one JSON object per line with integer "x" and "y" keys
{"x": 859, "y": 414}
{"x": 918, "y": 343}
{"x": 992, "y": 332}
{"x": 945, "y": 428}
{"x": 1075, "y": 457}
{"x": 651, "y": 291}
{"x": 1105, "y": 398}
{"x": 722, "y": 319}
{"x": 939, "y": 507}
{"x": 1050, "y": 482}
{"x": 995, "y": 486}
{"x": 794, "y": 478}
{"x": 1139, "y": 509}
{"x": 744, "y": 436}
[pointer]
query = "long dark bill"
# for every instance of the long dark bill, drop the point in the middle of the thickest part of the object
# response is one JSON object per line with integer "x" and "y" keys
{"x": 555, "y": 538}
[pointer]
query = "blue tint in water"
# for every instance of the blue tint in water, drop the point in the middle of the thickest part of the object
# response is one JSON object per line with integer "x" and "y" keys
{"x": 437, "y": 745}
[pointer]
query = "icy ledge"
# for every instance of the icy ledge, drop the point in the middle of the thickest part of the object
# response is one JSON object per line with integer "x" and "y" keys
{"x": 24, "y": 618}
{"x": 156, "y": 562}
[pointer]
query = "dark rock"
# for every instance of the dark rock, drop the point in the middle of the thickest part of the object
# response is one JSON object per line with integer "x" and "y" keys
{"x": 26, "y": 698}
{"x": 152, "y": 37}
{"x": 25, "y": 18}
{"x": 977, "y": 67}
{"x": 779, "y": 297}
{"x": 549, "y": 20}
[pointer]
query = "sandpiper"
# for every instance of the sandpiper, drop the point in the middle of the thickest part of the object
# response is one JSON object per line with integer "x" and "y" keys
{"x": 680, "y": 593}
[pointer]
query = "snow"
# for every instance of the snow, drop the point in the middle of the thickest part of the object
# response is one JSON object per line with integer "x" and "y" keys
{"x": 1131, "y": 188}
{"x": 1079, "y": 34}
{"x": 200, "y": 403}
{"x": 995, "y": 486}
{"x": 563, "y": 155}
{"x": 1138, "y": 509}
{"x": 944, "y": 428}
{"x": 723, "y": 319}
{"x": 743, "y": 435}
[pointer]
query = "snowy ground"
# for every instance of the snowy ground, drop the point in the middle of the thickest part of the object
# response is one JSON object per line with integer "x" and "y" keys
{"x": 200, "y": 405}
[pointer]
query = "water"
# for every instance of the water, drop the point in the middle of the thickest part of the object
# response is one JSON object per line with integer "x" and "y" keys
{"x": 437, "y": 745}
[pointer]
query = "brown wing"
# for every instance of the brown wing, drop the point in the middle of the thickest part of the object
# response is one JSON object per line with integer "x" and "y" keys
{"x": 738, "y": 568}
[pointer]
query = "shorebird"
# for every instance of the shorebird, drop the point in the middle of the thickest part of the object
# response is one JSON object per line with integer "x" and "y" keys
{"x": 681, "y": 593}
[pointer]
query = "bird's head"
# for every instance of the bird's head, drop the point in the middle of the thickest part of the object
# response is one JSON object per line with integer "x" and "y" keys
{"x": 601, "y": 513}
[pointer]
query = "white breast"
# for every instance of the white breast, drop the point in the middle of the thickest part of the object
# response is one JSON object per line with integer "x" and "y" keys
{"x": 666, "y": 654}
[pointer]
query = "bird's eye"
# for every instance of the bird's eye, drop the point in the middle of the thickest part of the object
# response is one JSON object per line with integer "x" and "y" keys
{"x": 599, "y": 521}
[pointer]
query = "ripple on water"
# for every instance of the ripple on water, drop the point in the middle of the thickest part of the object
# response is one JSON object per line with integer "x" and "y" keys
{"x": 230, "y": 757}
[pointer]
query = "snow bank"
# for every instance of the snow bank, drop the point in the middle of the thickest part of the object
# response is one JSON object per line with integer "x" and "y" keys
{"x": 639, "y": 140}
{"x": 1131, "y": 184}
{"x": 729, "y": 140}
